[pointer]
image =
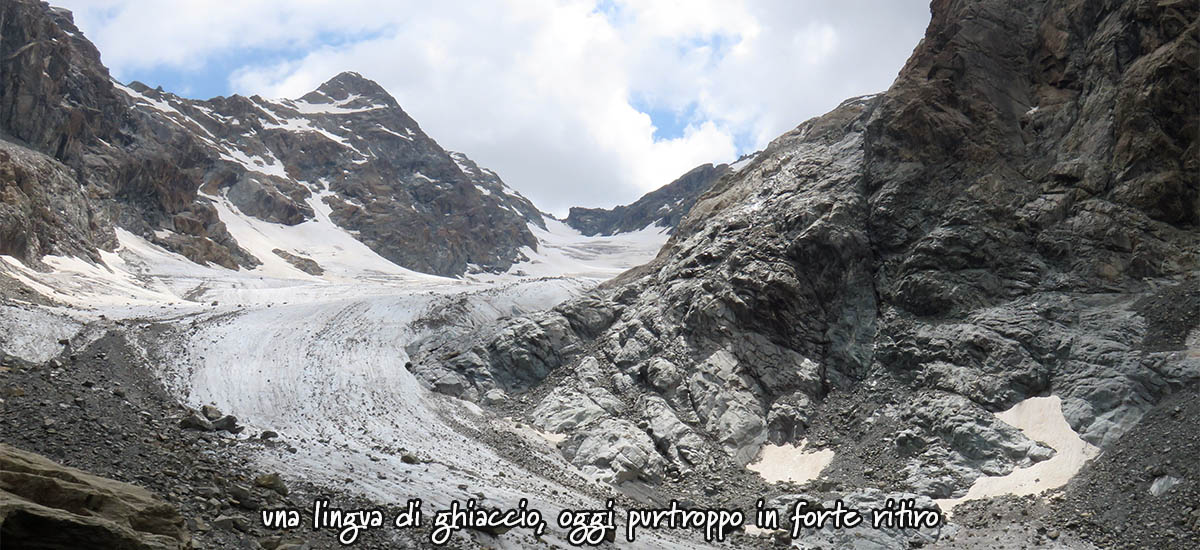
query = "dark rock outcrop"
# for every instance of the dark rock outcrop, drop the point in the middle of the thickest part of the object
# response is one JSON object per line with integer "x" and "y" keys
{"x": 307, "y": 265}
{"x": 46, "y": 505}
{"x": 43, "y": 210}
{"x": 998, "y": 225}
{"x": 129, "y": 168}
{"x": 663, "y": 207}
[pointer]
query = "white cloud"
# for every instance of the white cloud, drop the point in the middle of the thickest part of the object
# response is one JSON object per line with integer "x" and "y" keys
{"x": 542, "y": 91}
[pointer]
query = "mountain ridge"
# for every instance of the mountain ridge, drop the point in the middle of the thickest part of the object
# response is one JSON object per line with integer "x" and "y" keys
{"x": 663, "y": 207}
{"x": 153, "y": 162}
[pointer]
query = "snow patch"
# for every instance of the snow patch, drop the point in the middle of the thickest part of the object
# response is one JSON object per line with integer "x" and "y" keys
{"x": 792, "y": 463}
{"x": 270, "y": 166}
{"x": 1040, "y": 419}
{"x": 337, "y": 251}
{"x": 742, "y": 162}
{"x": 334, "y": 108}
{"x": 461, "y": 160}
{"x": 407, "y": 137}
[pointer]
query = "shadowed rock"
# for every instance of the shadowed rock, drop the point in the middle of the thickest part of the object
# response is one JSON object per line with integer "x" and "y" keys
{"x": 1016, "y": 216}
{"x": 663, "y": 207}
{"x": 46, "y": 505}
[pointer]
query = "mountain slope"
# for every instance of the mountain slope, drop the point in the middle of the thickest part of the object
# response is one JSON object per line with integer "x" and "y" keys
{"x": 894, "y": 300}
{"x": 59, "y": 109}
{"x": 1010, "y": 220}
{"x": 663, "y": 207}
{"x": 154, "y": 164}
{"x": 386, "y": 181}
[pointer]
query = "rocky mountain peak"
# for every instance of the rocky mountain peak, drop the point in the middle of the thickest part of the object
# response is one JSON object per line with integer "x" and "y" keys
{"x": 172, "y": 170}
{"x": 351, "y": 87}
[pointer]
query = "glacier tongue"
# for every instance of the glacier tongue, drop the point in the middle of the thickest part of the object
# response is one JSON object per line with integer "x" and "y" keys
{"x": 320, "y": 359}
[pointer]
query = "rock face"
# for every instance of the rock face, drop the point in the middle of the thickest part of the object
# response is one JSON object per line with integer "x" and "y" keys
{"x": 46, "y": 505}
{"x": 83, "y": 154}
{"x": 349, "y": 147}
{"x": 32, "y": 187}
{"x": 112, "y": 164}
{"x": 663, "y": 207}
{"x": 1007, "y": 221}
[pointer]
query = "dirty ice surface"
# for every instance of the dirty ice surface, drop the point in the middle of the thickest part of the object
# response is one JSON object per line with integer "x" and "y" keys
{"x": 320, "y": 359}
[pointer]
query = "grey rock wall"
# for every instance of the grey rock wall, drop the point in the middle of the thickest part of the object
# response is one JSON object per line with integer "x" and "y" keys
{"x": 1007, "y": 221}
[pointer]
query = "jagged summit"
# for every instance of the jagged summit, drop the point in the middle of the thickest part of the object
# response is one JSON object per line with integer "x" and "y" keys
{"x": 353, "y": 88}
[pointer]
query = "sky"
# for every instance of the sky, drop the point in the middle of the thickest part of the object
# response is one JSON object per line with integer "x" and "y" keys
{"x": 573, "y": 102}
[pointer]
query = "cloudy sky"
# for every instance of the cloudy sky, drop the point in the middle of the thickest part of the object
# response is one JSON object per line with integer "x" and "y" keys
{"x": 572, "y": 102}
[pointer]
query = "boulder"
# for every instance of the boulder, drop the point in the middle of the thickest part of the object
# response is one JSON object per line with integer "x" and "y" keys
{"x": 273, "y": 482}
{"x": 210, "y": 412}
{"x": 46, "y": 505}
{"x": 228, "y": 423}
{"x": 193, "y": 421}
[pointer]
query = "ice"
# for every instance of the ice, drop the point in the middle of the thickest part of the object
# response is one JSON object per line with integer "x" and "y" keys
{"x": 564, "y": 251}
{"x": 32, "y": 334}
{"x": 86, "y": 285}
{"x": 320, "y": 359}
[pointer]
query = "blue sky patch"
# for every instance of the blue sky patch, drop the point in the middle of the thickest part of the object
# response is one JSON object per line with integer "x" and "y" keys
{"x": 211, "y": 78}
{"x": 668, "y": 123}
